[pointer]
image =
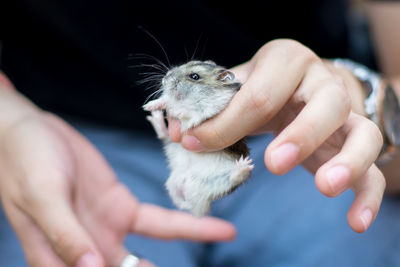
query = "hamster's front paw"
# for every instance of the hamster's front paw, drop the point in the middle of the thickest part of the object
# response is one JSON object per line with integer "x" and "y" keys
{"x": 157, "y": 104}
{"x": 157, "y": 121}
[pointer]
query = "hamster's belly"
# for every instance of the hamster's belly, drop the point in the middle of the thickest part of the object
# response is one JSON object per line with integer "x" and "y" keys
{"x": 205, "y": 174}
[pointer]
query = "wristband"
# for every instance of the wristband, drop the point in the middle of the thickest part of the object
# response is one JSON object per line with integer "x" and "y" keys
{"x": 381, "y": 106}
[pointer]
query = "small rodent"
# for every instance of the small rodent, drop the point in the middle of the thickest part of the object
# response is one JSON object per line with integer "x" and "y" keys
{"x": 192, "y": 93}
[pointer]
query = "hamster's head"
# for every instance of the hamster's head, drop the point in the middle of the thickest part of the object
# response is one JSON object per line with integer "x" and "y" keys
{"x": 198, "y": 88}
{"x": 197, "y": 77}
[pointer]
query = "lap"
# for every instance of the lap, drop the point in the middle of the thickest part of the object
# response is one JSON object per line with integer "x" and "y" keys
{"x": 281, "y": 220}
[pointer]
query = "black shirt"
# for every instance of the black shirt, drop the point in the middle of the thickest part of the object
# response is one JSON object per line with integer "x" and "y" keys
{"x": 72, "y": 56}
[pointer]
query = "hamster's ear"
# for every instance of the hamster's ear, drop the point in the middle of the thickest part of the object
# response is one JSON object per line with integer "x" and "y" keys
{"x": 226, "y": 75}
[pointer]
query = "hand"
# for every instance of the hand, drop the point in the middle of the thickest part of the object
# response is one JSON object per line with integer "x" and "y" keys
{"x": 289, "y": 90}
{"x": 66, "y": 205}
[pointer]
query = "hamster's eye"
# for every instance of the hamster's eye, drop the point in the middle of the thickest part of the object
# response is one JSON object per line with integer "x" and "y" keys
{"x": 194, "y": 76}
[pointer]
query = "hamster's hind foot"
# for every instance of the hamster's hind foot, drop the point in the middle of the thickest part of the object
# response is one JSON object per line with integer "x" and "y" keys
{"x": 242, "y": 170}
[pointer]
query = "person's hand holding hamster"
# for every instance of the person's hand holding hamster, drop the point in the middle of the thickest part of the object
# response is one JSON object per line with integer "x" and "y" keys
{"x": 316, "y": 112}
{"x": 64, "y": 201}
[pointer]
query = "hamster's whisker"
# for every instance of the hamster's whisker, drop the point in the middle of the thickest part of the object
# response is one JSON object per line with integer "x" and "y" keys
{"x": 154, "y": 94}
{"x": 150, "y": 57}
{"x": 148, "y": 80}
{"x": 159, "y": 44}
{"x": 151, "y": 73}
{"x": 154, "y": 66}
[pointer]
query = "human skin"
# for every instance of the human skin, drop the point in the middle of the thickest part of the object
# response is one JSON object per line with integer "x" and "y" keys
{"x": 332, "y": 132}
{"x": 319, "y": 141}
{"x": 384, "y": 18}
{"x": 65, "y": 202}
{"x": 316, "y": 113}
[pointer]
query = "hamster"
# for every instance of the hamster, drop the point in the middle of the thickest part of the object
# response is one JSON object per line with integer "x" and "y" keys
{"x": 192, "y": 93}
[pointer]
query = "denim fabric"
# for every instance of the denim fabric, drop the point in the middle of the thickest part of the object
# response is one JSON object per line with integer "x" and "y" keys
{"x": 282, "y": 221}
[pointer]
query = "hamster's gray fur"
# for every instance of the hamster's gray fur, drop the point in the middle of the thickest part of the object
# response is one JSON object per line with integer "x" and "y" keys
{"x": 192, "y": 93}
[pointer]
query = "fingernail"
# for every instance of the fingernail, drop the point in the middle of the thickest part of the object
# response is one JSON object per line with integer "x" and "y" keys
{"x": 366, "y": 218}
{"x": 338, "y": 178}
{"x": 284, "y": 156}
{"x": 192, "y": 143}
{"x": 88, "y": 260}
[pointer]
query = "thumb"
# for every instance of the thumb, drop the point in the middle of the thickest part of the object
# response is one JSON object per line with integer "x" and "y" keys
{"x": 65, "y": 234}
{"x": 174, "y": 129}
{"x": 187, "y": 139}
{"x": 212, "y": 135}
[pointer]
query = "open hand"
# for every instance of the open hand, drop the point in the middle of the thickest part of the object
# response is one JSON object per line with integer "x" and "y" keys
{"x": 66, "y": 205}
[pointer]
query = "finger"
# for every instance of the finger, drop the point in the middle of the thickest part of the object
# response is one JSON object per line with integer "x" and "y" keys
{"x": 326, "y": 110}
{"x": 110, "y": 243}
{"x": 361, "y": 148}
{"x": 242, "y": 71}
{"x": 5, "y": 81}
{"x": 38, "y": 252}
{"x": 174, "y": 129}
{"x": 368, "y": 198}
{"x": 123, "y": 258}
{"x": 161, "y": 223}
{"x": 130, "y": 260}
{"x": 262, "y": 95}
{"x": 66, "y": 236}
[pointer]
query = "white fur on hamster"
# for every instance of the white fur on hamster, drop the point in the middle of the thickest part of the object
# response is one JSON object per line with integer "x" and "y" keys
{"x": 192, "y": 93}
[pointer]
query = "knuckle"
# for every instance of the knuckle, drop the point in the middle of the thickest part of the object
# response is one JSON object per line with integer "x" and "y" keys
{"x": 339, "y": 80}
{"x": 28, "y": 198}
{"x": 286, "y": 44}
{"x": 37, "y": 190}
{"x": 25, "y": 197}
{"x": 290, "y": 49}
{"x": 373, "y": 130}
{"x": 333, "y": 88}
{"x": 342, "y": 96}
{"x": 382, "y": 182}
{"x": 65, "y": 246}
{"x": 376, "y": 132}
{"x": 60, "y": 239}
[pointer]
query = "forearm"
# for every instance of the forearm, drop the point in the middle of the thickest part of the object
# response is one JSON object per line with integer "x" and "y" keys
{"x": 384, "y": 21}
{"x": 391, "y": 168}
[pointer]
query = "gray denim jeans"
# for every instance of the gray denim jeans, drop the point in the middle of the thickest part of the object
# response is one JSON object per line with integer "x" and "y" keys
{"x": 281, "y": 220}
